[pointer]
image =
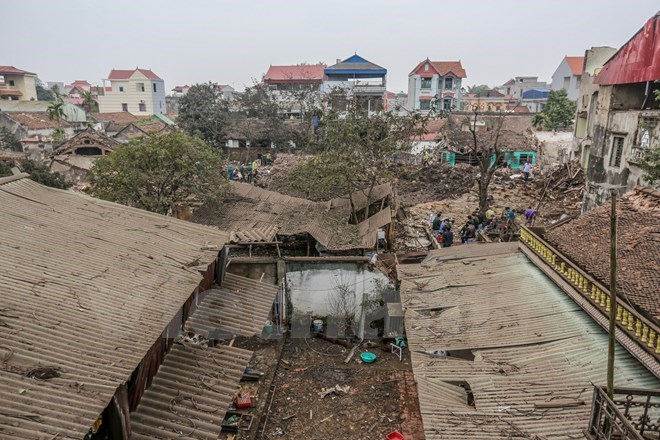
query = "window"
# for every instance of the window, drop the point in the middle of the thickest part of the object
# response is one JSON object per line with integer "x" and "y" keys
{"x": 121, "y": 88}
{"x": 124, "y": 107}
{"x": 142, "y": 107}
{"x": 567, "y": 82}
{"x": 425, "y": 105}
{"x": 12, "y": 83}
{"x": 446, "y": 104}
{"x": 139, "y": 87}
{"x": 155, "y": 90}
{"x": 449, "y": 83}
{"x": 426, "y": 68}
{"x": 426, "y": 83}
{"x": 617, "y": 151}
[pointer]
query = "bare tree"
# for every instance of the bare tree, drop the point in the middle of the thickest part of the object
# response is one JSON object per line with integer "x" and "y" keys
{"x": 343, "y": 303}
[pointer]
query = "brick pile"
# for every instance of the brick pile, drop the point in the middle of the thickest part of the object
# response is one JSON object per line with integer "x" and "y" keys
{"x": 586, "y": 241}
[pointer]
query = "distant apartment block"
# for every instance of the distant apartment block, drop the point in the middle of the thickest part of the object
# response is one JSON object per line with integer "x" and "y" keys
{"x": 138, "y": 91}
{"x": 355, "y": 80}
{"x": 225, "y": 90}
{"x": 517, "y": 86}
{"x": 17, "y": 84}
{"x": 296, "y": 86}
{"x": 568, "y": 76}
{"x": 435, "y": 83}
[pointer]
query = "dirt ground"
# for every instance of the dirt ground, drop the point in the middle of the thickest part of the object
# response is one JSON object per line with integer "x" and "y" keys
{"x": 381, "y": 397}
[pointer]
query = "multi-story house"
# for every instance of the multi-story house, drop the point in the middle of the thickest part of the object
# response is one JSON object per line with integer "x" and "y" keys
{"x": 594, "y": 59}
{"x": 568, "y": 76}
{"x": 138, "y": 91}
{"x": 485, "y": 101}
{"x": 358, "y": 81}
{"x": 297, "y": 88}
{"x": 77, "y": 88}
{"x": 435, "y": 84}
{"x": 17, "y": 84}
{"x": 515, "y": 87}
{"x": 623, "y": 120}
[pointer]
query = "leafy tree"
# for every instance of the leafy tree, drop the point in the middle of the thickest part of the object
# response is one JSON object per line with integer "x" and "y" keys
{"x": 59, "y": 136}
{"x": 356, "y": 151}
{"x": 259, "y": 107}
{"x": 558, "y": 112}
{"x": 478, "y": 88}
{"x": 8, "y": 140}
{"x": 160, "y": 173}
{"x": 40, "y": 173}
{"x": 55, "y": 111}
{"x": 89, "y": 103}
{"x": 44, "y": 94}
{"x": 5, "y": 170}
{"x": 203, "y": 113}
{"x": 651, "y": 165}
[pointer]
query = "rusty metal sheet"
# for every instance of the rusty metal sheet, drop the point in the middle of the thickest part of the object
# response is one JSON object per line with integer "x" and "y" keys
{"x": 638, "y": 60}
{"x": 87, "y": 287}
{"x": 512, "y": 336}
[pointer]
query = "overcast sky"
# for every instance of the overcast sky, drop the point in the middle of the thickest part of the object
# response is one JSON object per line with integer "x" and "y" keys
{"x": 232, "y": 42}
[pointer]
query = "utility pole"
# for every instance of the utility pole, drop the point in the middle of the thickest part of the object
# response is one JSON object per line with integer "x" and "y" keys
{"x": 613, "y": 302}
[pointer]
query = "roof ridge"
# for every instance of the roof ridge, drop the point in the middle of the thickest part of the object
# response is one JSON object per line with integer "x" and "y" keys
{"x": 4, "y": 180}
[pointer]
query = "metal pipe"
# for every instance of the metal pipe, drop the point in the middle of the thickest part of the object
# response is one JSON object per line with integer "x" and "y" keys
{"x": 613, "y": 302}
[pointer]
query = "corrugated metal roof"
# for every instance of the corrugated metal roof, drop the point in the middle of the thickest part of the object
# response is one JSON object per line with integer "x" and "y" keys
{"x": 190, "y": 394}
{"x": 254, "y": 235}
{"x": 531, "y": 344}
{"x": 240, "y": 306}
{"x": 327, "y": 222}
{"x": 87, "y": 287}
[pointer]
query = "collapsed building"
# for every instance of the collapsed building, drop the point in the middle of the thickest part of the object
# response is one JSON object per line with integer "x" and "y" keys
{"x": 622, "y": 117}
{"x": 103, "y": 312}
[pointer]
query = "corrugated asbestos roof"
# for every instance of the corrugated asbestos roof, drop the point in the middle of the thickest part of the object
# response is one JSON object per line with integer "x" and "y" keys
{"x": 531, "y": 344}
{"x": 240, "y": 306}
{"x": 328, "y": 222}
{"x": 255, "y": 235}
{"x": 194, "y": 386}
{"x": 87, "y": 287}
{"x": 190, "y": 394}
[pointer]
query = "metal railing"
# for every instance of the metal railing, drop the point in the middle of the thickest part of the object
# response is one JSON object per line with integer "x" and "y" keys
{"x": 642, "y": 331}
{"x": 632, "y": 414}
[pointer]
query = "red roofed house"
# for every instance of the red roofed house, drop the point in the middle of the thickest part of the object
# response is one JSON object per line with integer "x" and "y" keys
{"x": 76, "y": 88}
{"x": 17, "y": 84}
{"x": 298, "y": 85}
{"x": 568, "y": 76}
{"x": 435, "y": 83}
{"x": 623, "y": 120}
{"x": 138, "y": 91}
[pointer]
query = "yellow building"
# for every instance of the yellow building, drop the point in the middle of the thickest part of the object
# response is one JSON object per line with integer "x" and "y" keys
{"x": 487, "y": 101}
{"x": 17, "y": 84}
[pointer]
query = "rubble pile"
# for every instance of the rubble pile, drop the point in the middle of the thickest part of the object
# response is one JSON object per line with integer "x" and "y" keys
{"x": 561, "y": 190}
{"x": 418, "y": 184}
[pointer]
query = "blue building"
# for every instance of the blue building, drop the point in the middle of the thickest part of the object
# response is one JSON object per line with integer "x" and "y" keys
{"x": 536, "y": 94}
{"x": 358, "y": 80}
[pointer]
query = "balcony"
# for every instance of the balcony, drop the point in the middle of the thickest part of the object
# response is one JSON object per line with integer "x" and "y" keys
{"x": 632, "y": 414}
{"x": 362, "y": 87}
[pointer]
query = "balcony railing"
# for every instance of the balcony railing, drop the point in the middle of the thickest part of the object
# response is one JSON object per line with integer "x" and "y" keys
{"x": 633, "y": 414}
{"x": 640, "y": 330}
{"x": 637, "y": 154}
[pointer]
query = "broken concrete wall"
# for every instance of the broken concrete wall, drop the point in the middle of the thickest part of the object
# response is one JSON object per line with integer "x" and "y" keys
{"x": 618, "y": 142}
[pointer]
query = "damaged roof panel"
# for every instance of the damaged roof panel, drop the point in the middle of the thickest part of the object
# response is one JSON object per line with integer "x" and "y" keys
{"x": 190, "y": 394}
{"x": 87, "y": 288}
{"x": 527, "y": 341}
{"x": 328, "y": 222}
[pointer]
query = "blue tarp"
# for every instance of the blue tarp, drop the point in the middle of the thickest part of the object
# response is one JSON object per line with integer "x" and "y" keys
{"x": 536, "y": 94}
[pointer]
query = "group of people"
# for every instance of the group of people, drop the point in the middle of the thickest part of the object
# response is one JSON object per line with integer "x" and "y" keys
{"x": 476, "y": 223}
{"x": 248, "y": 172}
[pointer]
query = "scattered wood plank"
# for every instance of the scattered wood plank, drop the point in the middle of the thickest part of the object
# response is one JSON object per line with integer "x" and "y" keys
{"x": 558, "y": 404}
{"x": 351, "y": 354}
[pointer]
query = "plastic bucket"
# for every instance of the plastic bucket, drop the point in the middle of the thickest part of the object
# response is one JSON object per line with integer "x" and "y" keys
{"x": 317, "y": 325}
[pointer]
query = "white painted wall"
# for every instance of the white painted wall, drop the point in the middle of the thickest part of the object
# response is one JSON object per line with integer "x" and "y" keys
{"x": 563, "y": 71}
{"x": 132, "y": 95}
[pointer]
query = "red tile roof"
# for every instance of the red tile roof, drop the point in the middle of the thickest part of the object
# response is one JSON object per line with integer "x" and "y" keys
{"x": 586, "y": 241}
{"x": 576, "y": 64}
{"x": 638, "y": 60}
{"x": 443, "y": 68}
{"x": 36, "y": 120}
{"x": 126, "y": 74}
{"x": 11, "y": 70}
{"x": 117, "y": 117}
{"x": 313, "y": 73}
{"x": 80, "y": 82}
{"x": 10, "y": 92}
